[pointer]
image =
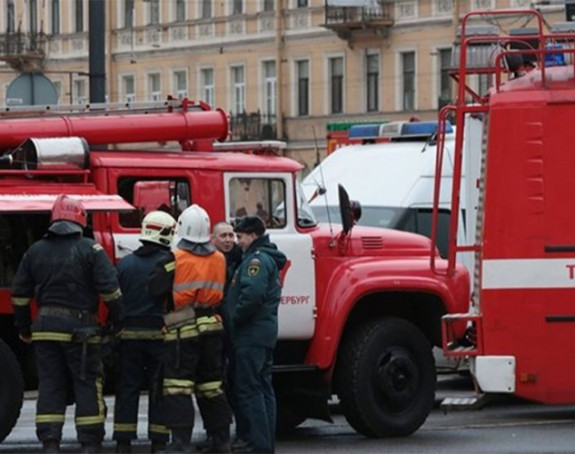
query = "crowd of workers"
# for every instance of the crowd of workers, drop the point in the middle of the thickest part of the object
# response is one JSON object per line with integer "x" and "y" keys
{"x": 189, "y": 318}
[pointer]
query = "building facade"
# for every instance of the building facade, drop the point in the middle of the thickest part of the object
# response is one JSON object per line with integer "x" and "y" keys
{"x": 282, "y": 68}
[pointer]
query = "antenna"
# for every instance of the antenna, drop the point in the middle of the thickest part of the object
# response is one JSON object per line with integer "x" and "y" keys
{"x": 321, "y": 189}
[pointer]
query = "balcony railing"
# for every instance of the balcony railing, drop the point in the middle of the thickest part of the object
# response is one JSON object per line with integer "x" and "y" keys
{"x": 344, "y": 20}
{"x": 253, "y": 126}
{"x": 23, "y": 51}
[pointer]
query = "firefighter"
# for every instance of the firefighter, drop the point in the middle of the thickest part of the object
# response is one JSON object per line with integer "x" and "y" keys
{"x": 141, "y": 343}
{"x": 223, "y": 238}
{"x": 254, "y": 299}
{"x": 193, "y": 337}
{"x": 67, "y": 273}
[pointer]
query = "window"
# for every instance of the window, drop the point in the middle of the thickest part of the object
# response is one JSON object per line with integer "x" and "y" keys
{"x": 270, "y": 84}
{"x": 372, "y": 82}
{"x": 238, "y": 89}
{"x": 128, "y": 13}
{"x": 207, "y": 85}
{"x": 171, "y": 195}
{"x": 442, "y": 7}
{"x": 181, "y": 84}
{"x": 444, "y": 78}
{"x": 206, "y": 12}
{"x": 79, "y": 92}
{"x": 302, "y": 3}
{"x": 180, "y": 11}
{"x": 408, "y": 73}
{"x": 129, "y": 88}
{"x": 336, "y": 85}
{"x": 484, "y": 83}
{"x": 79, "y": 16}
{"x": 302, "y": 89}
{"x": 10, "y": 17}
{"x": 237, "y": 6}
{"x": 268, "y": 5}
{"x": 155, "y": 87}
{"x": 482, "y": 4}
{"x": 55, "y": 16}
{"x": 153, "y": 12}
{"x": 264, "y": 197}
{"x": 33, "y": 16}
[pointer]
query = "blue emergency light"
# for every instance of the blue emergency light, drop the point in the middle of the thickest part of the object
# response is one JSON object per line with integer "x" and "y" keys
{"x": 423, "y": 128}
{"x": 364, "y": 131}
{"x": 554, "y": 59}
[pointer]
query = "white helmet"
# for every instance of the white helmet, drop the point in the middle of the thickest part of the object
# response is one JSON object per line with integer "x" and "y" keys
{"x": 158, "y": 227}
{"x": 194, "y": 225}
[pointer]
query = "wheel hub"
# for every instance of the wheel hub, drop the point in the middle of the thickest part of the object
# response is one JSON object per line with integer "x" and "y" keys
{"x": 396, "y": 379}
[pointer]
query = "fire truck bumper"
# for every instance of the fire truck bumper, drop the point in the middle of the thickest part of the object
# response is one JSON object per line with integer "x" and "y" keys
{"x": 494, "y": 374}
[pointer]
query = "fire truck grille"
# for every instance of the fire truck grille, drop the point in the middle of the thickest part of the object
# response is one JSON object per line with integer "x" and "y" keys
{"x": 372, "y": 242}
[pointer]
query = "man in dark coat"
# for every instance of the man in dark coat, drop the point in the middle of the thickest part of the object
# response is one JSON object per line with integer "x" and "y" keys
{"x": 254, "y": 299}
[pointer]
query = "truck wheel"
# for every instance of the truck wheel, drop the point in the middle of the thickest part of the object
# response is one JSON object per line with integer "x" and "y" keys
{"x": 385, "y": 378}
{"x": 11, "y": 390}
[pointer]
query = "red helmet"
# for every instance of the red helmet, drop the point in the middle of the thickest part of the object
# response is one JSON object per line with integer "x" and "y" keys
{"x": 68, "y": 209}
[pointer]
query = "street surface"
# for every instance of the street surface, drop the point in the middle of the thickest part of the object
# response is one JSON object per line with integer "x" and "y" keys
{"x": 503, "y": 425}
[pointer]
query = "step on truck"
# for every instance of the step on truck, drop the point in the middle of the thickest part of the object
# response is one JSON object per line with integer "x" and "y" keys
{"x": 518, "y": 330}
{"x": 360, "y": 308}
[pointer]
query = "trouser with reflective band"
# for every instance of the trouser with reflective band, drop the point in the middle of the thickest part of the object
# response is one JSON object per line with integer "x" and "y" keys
{"x": 59, "y": 367}
{"x": 138, "y": 364}
{"x": 193, "y": 365}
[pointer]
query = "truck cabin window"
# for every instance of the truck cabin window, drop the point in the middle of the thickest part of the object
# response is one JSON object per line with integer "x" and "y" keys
{"x": 264, "y": 197}
{"x": 151, "y": 194}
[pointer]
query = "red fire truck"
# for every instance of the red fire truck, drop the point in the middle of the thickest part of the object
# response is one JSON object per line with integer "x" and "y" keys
{"x": 360, "y": 308}
{"x": 518, "y": 332}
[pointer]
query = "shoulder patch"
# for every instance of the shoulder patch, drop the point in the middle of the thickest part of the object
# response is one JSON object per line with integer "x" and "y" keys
{"x": 254, "y": 268}
{"x": 170, "y": 266}
{"x": 97, "y": 247}
{"x": 255, "y": 261}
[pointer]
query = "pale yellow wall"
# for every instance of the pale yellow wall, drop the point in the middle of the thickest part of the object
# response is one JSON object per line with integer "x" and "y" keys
{"x": 133, "y": 51}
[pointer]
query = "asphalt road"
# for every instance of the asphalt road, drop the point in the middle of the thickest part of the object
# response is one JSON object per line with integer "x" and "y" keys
{"x": 504, "y": 425}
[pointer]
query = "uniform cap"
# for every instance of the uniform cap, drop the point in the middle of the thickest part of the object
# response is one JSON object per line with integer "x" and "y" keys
{"x": 250, "y": 224}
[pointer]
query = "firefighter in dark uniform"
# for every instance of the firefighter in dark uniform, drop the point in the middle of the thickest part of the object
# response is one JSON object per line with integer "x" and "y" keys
{"x": 254, "y": 299}
{"x": 67, "y": 273}
{"x": 193, "y": 334}
{"x": 141, "y": 342}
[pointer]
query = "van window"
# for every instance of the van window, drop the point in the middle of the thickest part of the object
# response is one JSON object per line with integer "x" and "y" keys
{"x": 171, "y": 195}
{"x": 418, "y": 220}
{"x": 263, "y": 197}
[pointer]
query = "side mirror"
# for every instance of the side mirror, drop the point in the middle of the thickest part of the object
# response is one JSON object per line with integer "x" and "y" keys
{"x": 344, "y": 209}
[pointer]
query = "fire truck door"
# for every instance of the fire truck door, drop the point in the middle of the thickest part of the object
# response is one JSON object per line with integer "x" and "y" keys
{"x": 272, "y": 197}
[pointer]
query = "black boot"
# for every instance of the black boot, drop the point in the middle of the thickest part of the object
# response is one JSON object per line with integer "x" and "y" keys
{"x": 221, "y": 441}
{"x": 181, "y": 439}
{"x": 205, "y": 445}
{"x": 51, "y": 446}
{"x": 91, "y": 448}
{"x": 159, "y": 447}
{"x": 124, "y": 447}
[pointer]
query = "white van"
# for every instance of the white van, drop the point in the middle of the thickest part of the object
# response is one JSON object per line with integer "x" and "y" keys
{"x": 394, "y": 182}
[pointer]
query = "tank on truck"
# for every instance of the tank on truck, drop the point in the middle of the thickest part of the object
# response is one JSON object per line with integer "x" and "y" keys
{"x": 523, "y": 286}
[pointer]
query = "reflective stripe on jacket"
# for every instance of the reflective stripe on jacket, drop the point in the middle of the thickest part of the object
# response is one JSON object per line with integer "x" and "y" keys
{"x": 199, "y": 279}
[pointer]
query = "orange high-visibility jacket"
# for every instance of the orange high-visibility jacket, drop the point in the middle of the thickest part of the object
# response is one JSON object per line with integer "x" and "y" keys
{"x": 199, "y": 279}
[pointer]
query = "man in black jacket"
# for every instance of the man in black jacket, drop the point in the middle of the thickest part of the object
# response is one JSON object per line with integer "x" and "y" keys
{"x": 67, "y": 274}
{"x": 141, "y": 343}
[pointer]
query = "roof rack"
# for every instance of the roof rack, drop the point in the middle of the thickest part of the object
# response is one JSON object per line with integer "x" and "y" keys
{"x": 102, "y": 108}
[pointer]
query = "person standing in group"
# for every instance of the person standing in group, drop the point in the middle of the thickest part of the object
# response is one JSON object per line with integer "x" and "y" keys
{"x": 223, "y": 238}
{"x": 67, "y": 273}
{"x": 193, "y": 337}
{"x": 141, "y": 344}
{"x": 254, "y": 299}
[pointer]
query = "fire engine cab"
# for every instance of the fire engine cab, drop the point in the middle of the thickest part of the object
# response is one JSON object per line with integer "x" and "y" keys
{"x": 518, "y": 331}
{"x": 360, "y": 308}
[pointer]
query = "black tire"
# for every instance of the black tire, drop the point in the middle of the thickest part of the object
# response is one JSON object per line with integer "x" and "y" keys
{"x": 11, "y": 390}
{"x": 385, "y": 378}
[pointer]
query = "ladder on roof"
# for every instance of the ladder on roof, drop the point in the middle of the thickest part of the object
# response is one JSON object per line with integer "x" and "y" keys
{"x": 168, "y": 105}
